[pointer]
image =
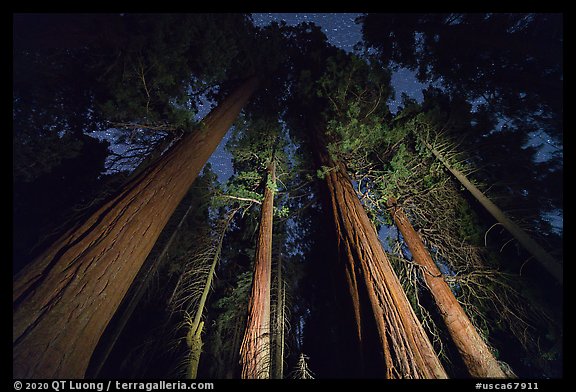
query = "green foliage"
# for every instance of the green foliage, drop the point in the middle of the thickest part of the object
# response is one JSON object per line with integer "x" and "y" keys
{"x": 249, "y": 179}
{"x": 273, "y": 186}
{"x": 513, "y": 61}
{"x": 35, "y": 156}
{"x": 256, "y": 140}
{"x": 251, "y": 145}
{"x": 282, "y": 212}
{"x": 166, "y": 58}
{"x": 468, "y": 225}
{"x": 355, "y": 93}
{"x": 395, "y": 174}
{"x": 321, "y": 173}
{"x": 230, "y": 305}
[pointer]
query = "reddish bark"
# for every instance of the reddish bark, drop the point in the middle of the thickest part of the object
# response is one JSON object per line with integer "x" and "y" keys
{"x": 63, "y": 300}
{"x": 255, "y": 349}
{"x": 405, "y": 346}
{"x": 475, "y": 353}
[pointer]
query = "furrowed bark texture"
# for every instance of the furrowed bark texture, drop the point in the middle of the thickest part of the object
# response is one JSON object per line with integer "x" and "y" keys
{"x": 405, "y": 346}
{"x": 128, "y": 306}
{"x": 255, "y": 348}
{"x": 476, "y": 355}
{"x": 544, "y": 258}
{"x": 63, "y": 300}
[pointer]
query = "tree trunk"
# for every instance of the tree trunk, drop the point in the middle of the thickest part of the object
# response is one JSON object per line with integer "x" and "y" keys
{"x": 543, "y": 257}
{"x": 64, "y": 299}
{"x": 194, "y": 342}
{"x": 475, "y": 353}
{"x": 406, "y": 349}
{"x": 255, "y": 349}
{"x": 129, "y": 304}
{"x": 194, "y": 336}
{"x": 279, "y": 330}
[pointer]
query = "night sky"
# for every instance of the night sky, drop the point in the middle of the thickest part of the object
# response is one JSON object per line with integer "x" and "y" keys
{"x": 342, "y": 32}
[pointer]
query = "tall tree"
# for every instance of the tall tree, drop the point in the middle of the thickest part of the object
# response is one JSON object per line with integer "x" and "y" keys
{"x": 341, "y": 101}
{"x": 255, "y": 349}
{"x": 544, "y": 258}
{"x": 477, "y": 356}
{"x": 90, "y": 267}
{"x": 407, "y": 350}
{"x": 142, "y": 336}
{"x": 445, "y": 219}
{"x": 279, "y": 318}
{"x": 79, "y": 73}
{"x": 191, "y": 293}
{"x": 132, "y": 300}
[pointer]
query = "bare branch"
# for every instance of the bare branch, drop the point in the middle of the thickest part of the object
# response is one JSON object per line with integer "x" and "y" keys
{"x": 241, "y": 198}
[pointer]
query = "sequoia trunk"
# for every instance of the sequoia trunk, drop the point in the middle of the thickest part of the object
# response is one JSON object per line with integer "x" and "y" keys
{"x": 474, "y": 352}
{"x": 407, "y": 351}
{"x": 129, "y": 304}
{"x": 255, "y": 349}
{"x": 63, "y": 300}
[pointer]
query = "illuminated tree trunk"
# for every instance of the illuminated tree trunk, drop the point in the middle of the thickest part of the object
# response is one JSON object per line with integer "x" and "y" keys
{"x": 63, "y": 300}
{"x": 255, "y": 348}
{"x": 543, "y": 257}
{"x": 196, "y": 326}
{"x": 130, "y": 301}
{"x": 405, "y": 346}
{"x": 475, "y": 353}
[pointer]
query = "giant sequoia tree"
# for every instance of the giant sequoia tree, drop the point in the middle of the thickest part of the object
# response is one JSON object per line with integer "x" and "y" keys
{"x": 298, "y": 245}
{"x": 455, "y": 248}
{"x": 138, "y": 88}
{"x": 256, "y": 345}
{"x": 376, "y": 293}
{"x": 479, "y": 360}
{"x": 92, "y": 265}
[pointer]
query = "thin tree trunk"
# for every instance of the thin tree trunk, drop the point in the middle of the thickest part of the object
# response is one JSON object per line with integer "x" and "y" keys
{"x": 255, "y": 348}
{"x": 194, "y": 337}
{"x": 475, "y": 353}
{"x": 64, "y": 299}
{"x": 279, "y": 330}
{"x": 407, "y": 351}
{"x": 194, "y": 342}
{"x": 543, "y": 257}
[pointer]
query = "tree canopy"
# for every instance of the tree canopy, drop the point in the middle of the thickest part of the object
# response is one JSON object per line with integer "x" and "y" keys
{"x": 83, "y": 85}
